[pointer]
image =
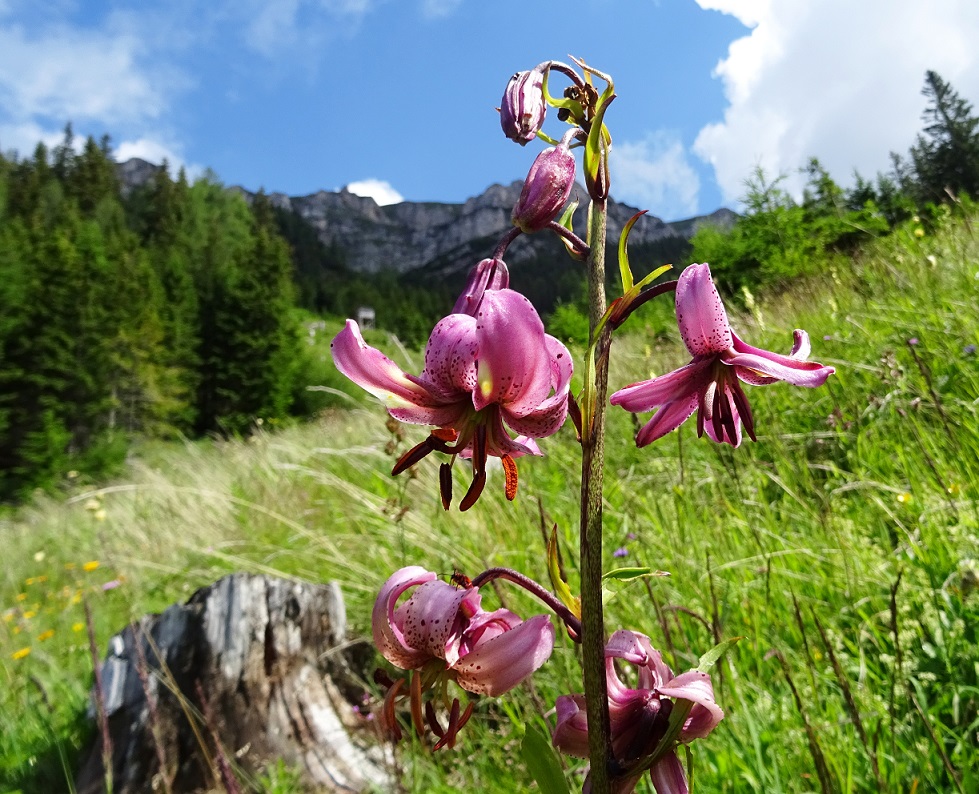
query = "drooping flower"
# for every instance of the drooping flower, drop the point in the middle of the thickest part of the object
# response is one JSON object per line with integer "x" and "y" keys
{"x": 709, "y": 384}
{"x": 639, "y": 713}
{"x": 443, "y": 634}
{"x": 485, "y": 373}
{"x": 546, "y": 189}
{"x": 523, "y": 108}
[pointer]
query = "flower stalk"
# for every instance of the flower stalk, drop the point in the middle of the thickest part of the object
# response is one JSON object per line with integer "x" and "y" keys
{"x": 590, "y": 538}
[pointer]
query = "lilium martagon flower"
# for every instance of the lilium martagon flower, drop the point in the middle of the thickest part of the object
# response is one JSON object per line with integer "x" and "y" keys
{"x": 442, "y": 634}
{"x": 487, "y": 373}
{"x": 639, "y": 714}
{"x": 711, "y": 383}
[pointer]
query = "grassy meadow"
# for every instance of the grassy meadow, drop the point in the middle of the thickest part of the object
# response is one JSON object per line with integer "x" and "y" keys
{"x": 843, "y": 546}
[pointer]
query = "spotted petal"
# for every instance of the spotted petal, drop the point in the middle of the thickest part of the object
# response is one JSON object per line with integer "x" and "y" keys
{"x": 501, "y": 662}
{"x": 513, "y": 360}
{"x": 388, "y": 637}
{"x": 700, "y": 313}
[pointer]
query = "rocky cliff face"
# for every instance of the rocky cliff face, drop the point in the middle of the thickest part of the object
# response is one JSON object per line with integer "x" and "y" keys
{"x": 410, "y": 235}
{"x": 439, "y": 238}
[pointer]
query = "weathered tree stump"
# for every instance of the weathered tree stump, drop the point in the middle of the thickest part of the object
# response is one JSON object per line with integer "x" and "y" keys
{"x": 250, "y": 670}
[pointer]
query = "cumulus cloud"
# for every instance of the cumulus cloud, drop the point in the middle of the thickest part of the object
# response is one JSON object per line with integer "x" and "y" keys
{"x": 75, "y": 75}
{"x": 832, "y": 79}
{"x": 377, "y": 189}
{"x": 655, "y": 174}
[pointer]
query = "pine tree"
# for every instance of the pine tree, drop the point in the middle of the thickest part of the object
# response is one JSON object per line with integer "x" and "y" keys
{"x": 945, "y": 157}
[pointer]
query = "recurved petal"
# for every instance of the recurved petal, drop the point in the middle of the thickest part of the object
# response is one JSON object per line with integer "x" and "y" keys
{"x": 405, "y": 397}
{"x": 548, "y": 417}
{"x": 388, "y": 637}
{"x": 571, "y": 734}
{"x": 700, "y": 313}
{"x": 668, "y": 776}
{"x": 625, "y": 644}
{"x": 514, "y": 369}
{"x": 430, "y": 619}
{"x": 667, "y": 419}
{"x": 695, "y": 686}
{"x": 499, "y": 664}
{"x": 677, "y": 385}
{"x": 759, "y": 367}
{"x": 450, "y": 357}
{"x": 486, "y": 625}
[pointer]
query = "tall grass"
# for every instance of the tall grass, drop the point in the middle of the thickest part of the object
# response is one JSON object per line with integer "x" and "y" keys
{"x": 841, "y": 546}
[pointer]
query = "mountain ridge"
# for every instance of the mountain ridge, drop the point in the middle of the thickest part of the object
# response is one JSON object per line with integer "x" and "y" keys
{"x": 437, "y": 238}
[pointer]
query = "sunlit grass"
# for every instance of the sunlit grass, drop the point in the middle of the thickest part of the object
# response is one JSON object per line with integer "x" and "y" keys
{"x": 856, "y": 491}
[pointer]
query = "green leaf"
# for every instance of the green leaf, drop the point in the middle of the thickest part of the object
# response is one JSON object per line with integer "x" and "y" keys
{"x": 560, "y": 586}
{"x": 709, "y": 659}
{"x": 624, "y": 270}
{"x": 628, "y": 574}
{"x": 653, "y": 276}
{"x": 542, "y": 762}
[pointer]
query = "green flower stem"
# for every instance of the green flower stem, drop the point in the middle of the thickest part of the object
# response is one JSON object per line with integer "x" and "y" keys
{"x": 592, "y": 474}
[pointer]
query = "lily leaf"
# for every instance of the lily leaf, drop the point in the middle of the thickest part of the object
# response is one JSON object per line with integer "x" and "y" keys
{"x": 560, "y": 586}
{"x": 629, "y": 574}
{"x": 624, "y": 270}
{"x": 653, "y": 276}
{"x": 713, "y": 656}
{"x": 542, "y": 762}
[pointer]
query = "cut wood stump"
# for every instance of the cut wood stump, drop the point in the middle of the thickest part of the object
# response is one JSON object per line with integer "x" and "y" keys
{"x": 250, "y": 672}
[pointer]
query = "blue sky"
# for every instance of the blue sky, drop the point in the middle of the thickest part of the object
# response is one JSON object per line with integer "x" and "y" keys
{"x": 396, "y": 98}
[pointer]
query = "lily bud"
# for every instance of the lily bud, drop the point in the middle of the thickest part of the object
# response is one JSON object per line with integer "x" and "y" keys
{"x": 546, "y": 189}
{"x": 522, "y": 108}
{"x": 488, "y": 274}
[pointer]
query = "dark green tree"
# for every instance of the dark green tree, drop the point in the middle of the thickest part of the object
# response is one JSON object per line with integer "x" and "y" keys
{"x": 945, "y": 158}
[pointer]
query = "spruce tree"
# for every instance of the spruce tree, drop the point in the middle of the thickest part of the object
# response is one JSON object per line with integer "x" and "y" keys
{"x": 945, "y": 158}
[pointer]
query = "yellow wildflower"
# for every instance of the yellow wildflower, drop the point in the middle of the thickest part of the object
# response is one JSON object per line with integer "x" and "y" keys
{"x": 904, "y": 498}
{"x": 45, "y": 635}
{"x": 77, "y": 627}
{"x": 21, "y": 596}
{"x": 21, "y": 653}
{"x": 29, "y": 614}
{"x": 91, "y": 565}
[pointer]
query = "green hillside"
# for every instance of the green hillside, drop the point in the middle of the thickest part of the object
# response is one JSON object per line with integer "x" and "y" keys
{"x": 843, "y": 545}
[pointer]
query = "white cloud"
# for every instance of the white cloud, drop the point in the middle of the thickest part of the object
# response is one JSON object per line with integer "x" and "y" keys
{"x": 23, "y": 137}
{"x": 156, "y": 152}
{"x": 833, "y": 79}
{"x": 75, "y": 75}
{"x": 436, "y": 9}
{"x": 654, "y": 174}
{"x": 377, "y": 189}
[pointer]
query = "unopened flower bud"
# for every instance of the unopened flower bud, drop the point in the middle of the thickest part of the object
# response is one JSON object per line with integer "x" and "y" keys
{"x": 546, "y": 189}
{"x": 488, "y": 274}
{"x": 522, "y": 108}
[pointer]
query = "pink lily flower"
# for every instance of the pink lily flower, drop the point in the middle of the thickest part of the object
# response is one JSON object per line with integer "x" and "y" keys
{"x": 640, "y": 715}
{"x": 442, "y": 633}
{"x": 710, "y": 383}
{"x": 488, "y": 370}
